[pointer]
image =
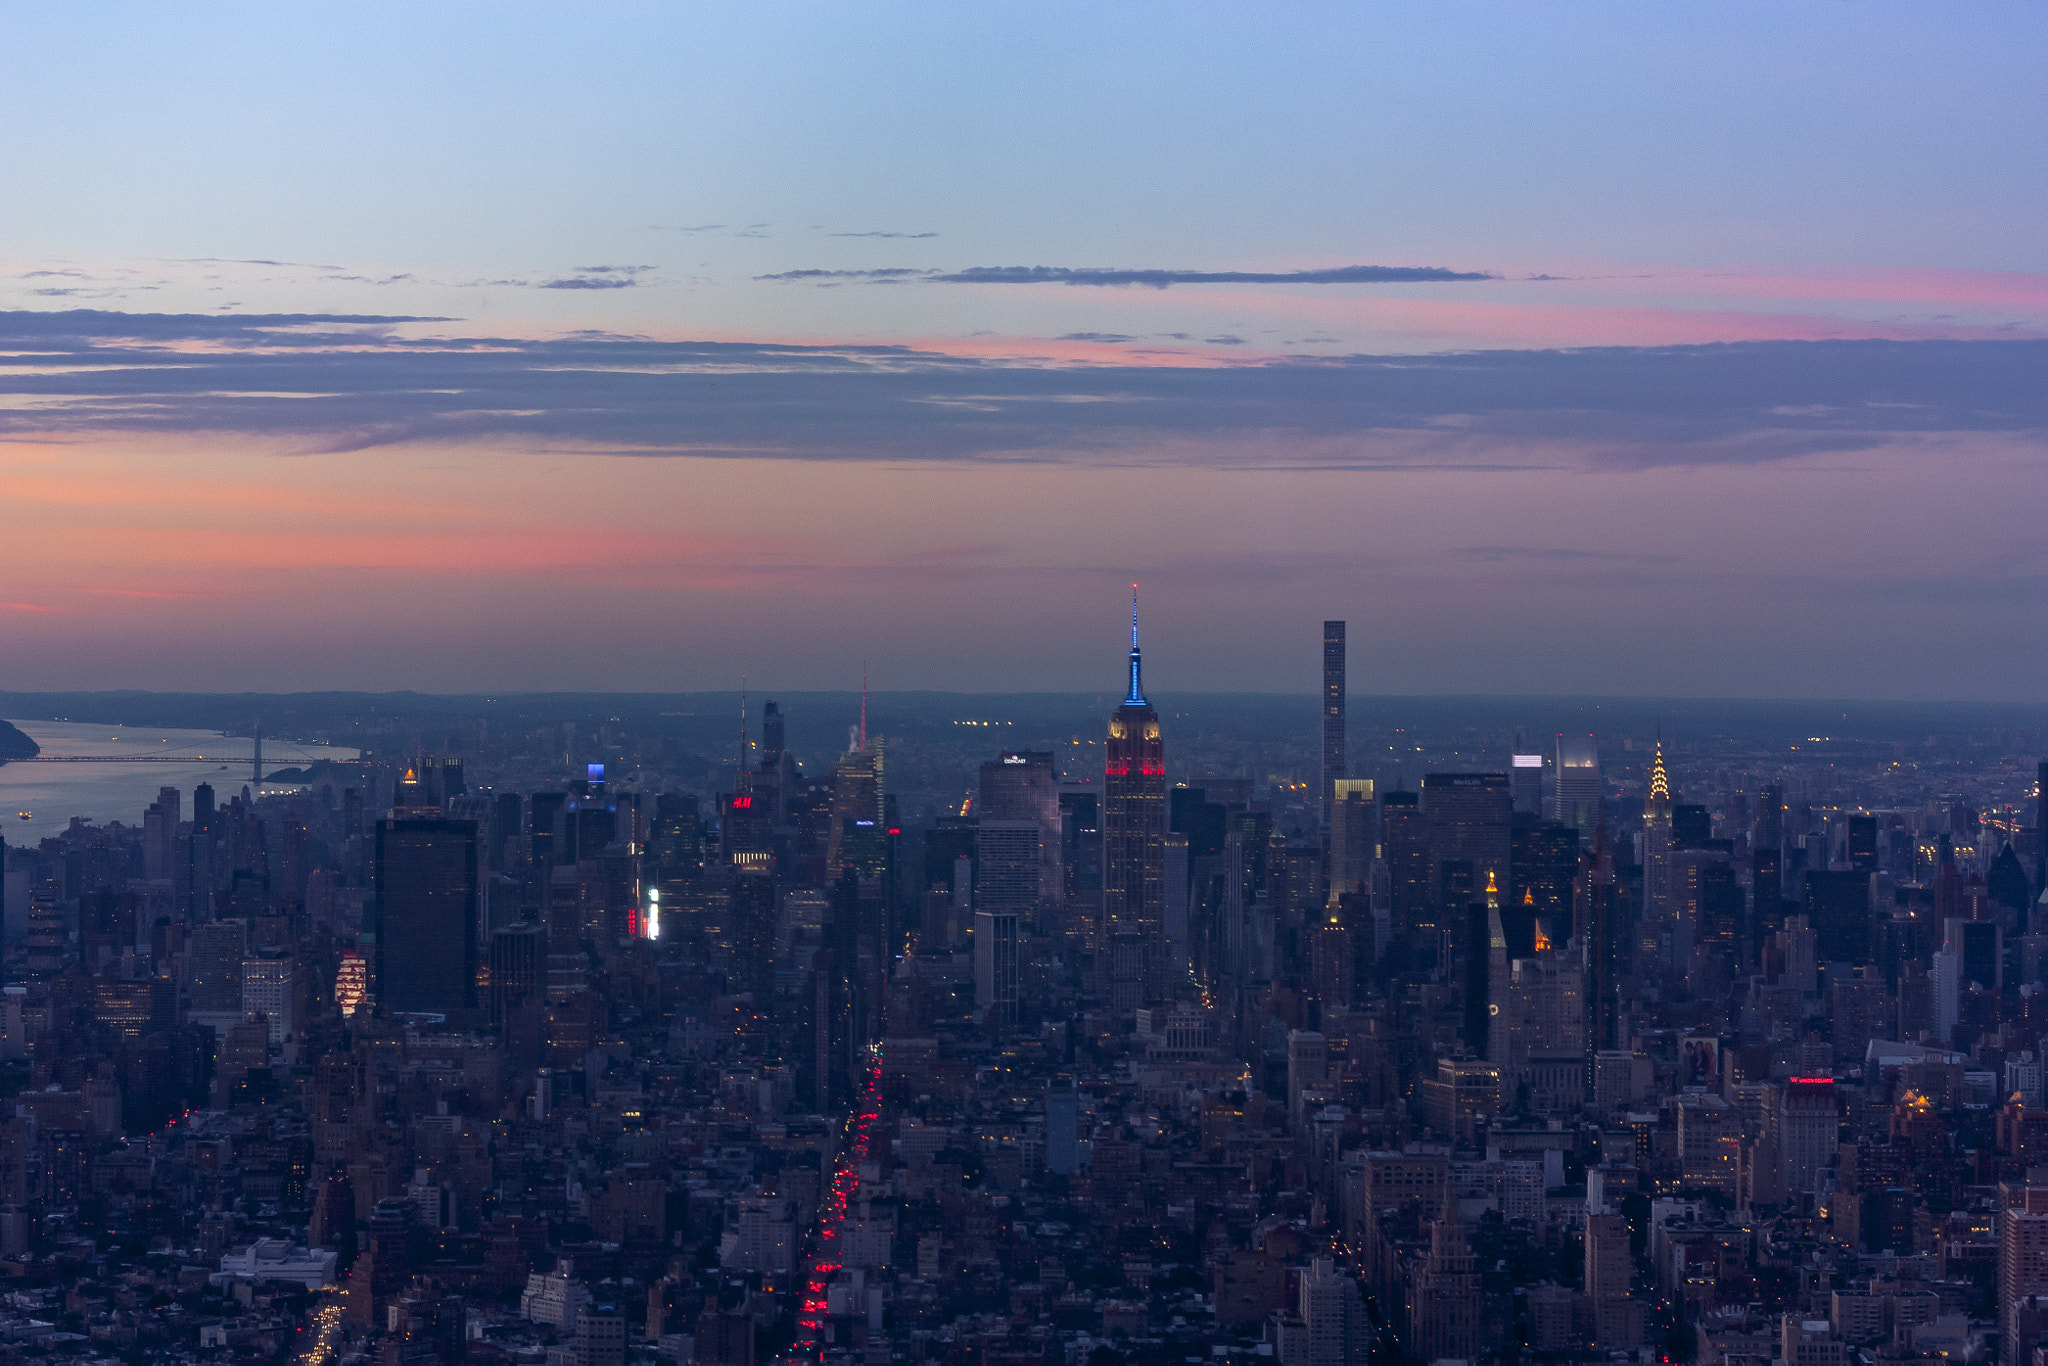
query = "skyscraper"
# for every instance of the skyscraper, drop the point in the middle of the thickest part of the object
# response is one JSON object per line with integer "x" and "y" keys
{"x": 518, "y": 969}
{"x": 1616, "y": 1317}
{"x": 46, "y": 936}
{"x": 1608, "y": 1263}
{"x": 857, "y": 796}
{"x": 995, "y": 967}
{"x": 1353, "y": 833}
{"x": 268, "y": 990}
{"x": 1575, "y": 788}
{"x": 213, "y": 971}
{"x": 1603, "y": 950}
{"x": 1333, "y": 715}
{"x": 1862, "y": 843}
{"x": 2041, "y": 827}
{"x": 1802, "y": 1117}
{"x": 1543, "y": 863}
{"x": 1329, "y": 1325}
{"x": 1062, "y": 1125}
{"x": 160, "y": 834}
{"x": 2022, "y": 1261}
{"x": 677, "y": 842}
{"x": 1134, "y": 826}
{"x": 1492, "y": 1042}
{"x": 426, "y": 914}
{"x": 1766, "y": 866}
{"x": 1470, "y": 822}
{"x": 1837, "y": 905}
{"x": 1525, "y": 780}
{"x": 1007, "y": 872}
{"x": 1024, "y": 785}
{"x": 1657, "y": 903}
{"x": 776, "y": 776}
{"x": 1445, "y": 1309}
{"x": 1404, "y": 845}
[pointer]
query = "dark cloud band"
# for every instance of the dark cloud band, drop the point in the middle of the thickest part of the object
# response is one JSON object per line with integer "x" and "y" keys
{"x": 892, "y": 273}
{"x": 337, "y": 381}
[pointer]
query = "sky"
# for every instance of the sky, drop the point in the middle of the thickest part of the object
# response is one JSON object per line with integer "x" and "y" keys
{"x": 1674, "y": 350}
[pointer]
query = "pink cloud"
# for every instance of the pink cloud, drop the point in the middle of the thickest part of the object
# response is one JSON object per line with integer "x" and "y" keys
{"x": 1873, "y": 285}
{"x": 1399, "y": 322}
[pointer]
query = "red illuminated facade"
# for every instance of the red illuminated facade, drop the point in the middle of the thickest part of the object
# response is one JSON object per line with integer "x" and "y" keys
{"x": 1134, "y": 829}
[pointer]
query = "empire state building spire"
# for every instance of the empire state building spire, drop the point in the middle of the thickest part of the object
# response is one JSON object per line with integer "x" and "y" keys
{"x": 1137, "y": 694}
{"x": 1133, "y": 925}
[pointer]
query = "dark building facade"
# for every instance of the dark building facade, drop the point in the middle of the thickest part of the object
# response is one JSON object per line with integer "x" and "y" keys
{"x": 1469, "y": 820}
{"x": 1543, "y": 863}
{"x": 426, "y": 914}
{"x": 1837, "y": 905}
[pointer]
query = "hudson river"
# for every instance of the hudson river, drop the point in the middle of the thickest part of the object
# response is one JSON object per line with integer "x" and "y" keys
{"x": 54, "y": 793}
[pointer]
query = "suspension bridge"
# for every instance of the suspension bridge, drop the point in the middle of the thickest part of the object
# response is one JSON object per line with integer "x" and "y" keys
{"x": 189, "y": 754}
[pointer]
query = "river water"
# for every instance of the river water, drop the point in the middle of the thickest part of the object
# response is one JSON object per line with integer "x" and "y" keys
{"x": 101, "y": 792}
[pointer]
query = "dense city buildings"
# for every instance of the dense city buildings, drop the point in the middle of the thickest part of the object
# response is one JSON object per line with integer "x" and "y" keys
{"x": 573, "y": 1043}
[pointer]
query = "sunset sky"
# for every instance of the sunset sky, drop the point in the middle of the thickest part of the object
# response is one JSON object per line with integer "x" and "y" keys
{"x": 1688, "y": 349}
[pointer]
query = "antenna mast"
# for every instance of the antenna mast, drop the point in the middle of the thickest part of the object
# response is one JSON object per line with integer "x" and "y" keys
{"x": 740, "y": 783}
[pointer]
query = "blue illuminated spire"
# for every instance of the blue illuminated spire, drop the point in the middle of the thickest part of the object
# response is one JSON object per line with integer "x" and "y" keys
{"x": 1137, "y": 697}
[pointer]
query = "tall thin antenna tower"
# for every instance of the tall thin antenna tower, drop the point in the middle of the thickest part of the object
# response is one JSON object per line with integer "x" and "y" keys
{"x": 863, "y": 706}
{"x": 1336, "y": 756}
{"x": 741, "y": 782}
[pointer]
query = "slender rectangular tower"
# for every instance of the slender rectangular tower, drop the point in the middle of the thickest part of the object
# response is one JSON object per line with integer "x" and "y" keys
{"x": 2040, "y": 830}
{"x": 1333, "y": 716}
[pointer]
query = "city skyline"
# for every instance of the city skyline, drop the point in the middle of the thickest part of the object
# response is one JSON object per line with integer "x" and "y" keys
{"x": 796, "y": 1028}
{"x": 575, "y": 792}
{"x": 1673, "y": 353}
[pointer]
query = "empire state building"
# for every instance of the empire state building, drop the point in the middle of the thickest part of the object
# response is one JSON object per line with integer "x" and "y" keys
{"x": 1134, "y": 843}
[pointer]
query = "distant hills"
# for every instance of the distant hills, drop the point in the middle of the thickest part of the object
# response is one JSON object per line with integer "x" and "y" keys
{"x": 15, "y": 745}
